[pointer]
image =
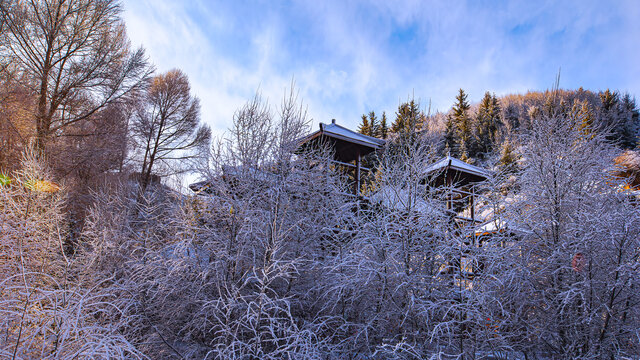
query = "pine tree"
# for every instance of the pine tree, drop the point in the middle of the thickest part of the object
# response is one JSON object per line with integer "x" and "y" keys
{"x": 619, "y": 116}
{"x": 630, "y": 110}
{"x": 508, "y": 157}
{"x": 383, "y": 129}
{"x": 450, "y": 137}
{"x": 365, "y": 126}
{"x": 462, "y": 125}
{"x": 373, "y": 124}
{"x": 583, "y": 110}
{"x": 486, "y": 126}
{"x": 496, "y": 110}
{"x": 497, "y": 120}
{"x": 409, "y": 118}
{"x": 609, "y": 99}
{"x": 464, "y": 151}
{"x": 608, "y": 113}
{"x": 511, "y": 118}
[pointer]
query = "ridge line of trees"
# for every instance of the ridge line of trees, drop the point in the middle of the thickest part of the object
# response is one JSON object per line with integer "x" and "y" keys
{"x": 482, "y": 132}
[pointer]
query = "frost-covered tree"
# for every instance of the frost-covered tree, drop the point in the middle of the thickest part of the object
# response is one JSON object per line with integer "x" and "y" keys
{"x": 46, "y": 310}
{"x": 393, "y": 283}
{"x": 232, "y": 274}
{"x": 567, "y": 284}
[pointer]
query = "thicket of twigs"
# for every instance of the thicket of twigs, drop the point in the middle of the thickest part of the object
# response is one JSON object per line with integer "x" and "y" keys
{"x": 275, "y": 262}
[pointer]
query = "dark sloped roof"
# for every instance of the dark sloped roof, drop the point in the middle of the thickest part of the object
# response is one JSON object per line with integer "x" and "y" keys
{"x": 346, "y": 143}
{"x": 459, "y": 165}
{"x": 340, "y": 132}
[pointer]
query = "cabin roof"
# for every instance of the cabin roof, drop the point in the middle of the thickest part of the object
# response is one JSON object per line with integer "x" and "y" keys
{"x": 340, "y": 132}
{"x": 346, "y": 143}
{"x": 450, "y": 162}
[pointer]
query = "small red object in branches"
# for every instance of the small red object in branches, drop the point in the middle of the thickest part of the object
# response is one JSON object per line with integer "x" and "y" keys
{"x": 577, "y": 264}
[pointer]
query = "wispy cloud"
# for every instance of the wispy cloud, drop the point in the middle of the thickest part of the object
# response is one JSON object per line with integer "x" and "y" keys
{"x": 350, "y": 57}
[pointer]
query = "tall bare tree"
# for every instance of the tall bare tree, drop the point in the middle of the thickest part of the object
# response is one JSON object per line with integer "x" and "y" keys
{"x": 75, "y": 56}
{"x": 166, "y": 128}
{"x": 16, "y": 114}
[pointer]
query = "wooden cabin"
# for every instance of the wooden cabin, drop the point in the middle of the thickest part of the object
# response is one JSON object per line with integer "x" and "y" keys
{"x": 460, "y": 182}
{"x": 347, "y": 148}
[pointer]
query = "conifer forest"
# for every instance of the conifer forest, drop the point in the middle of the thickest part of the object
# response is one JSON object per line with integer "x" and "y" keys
{"x": 507, "y": 228}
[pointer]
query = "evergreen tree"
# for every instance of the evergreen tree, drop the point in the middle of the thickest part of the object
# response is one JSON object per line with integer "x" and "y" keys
{"x": 619, "y": 116}
{"x": 583, "y": 110}
{"x": 496, "y": 110}
{"x": 630, "y": 135}
{"x": 608, "y": 114}
{"x": 373, "y": 124}
{"x": 464, "y": 151}
{"x": 370, "y": 125}
{"x": 462, "y": 124}
{"x": 383, "y": 129}
{"x": 511, "y": 118}
{"x": 486, "y": 126}
{"x": 365, "y": 126}
{"x": 450, "y": 137}
{"x": 409, "y": 118}
{"x": 508, "y": 157}
{"x": 497, "y": 118}
{"x": 609, "y": 99}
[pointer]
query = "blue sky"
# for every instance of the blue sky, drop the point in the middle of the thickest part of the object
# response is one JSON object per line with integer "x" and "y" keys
{"x": 351, "y": 57}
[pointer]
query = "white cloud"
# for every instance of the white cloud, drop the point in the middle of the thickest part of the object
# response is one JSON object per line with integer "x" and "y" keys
{"x": 351, "y": 57}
